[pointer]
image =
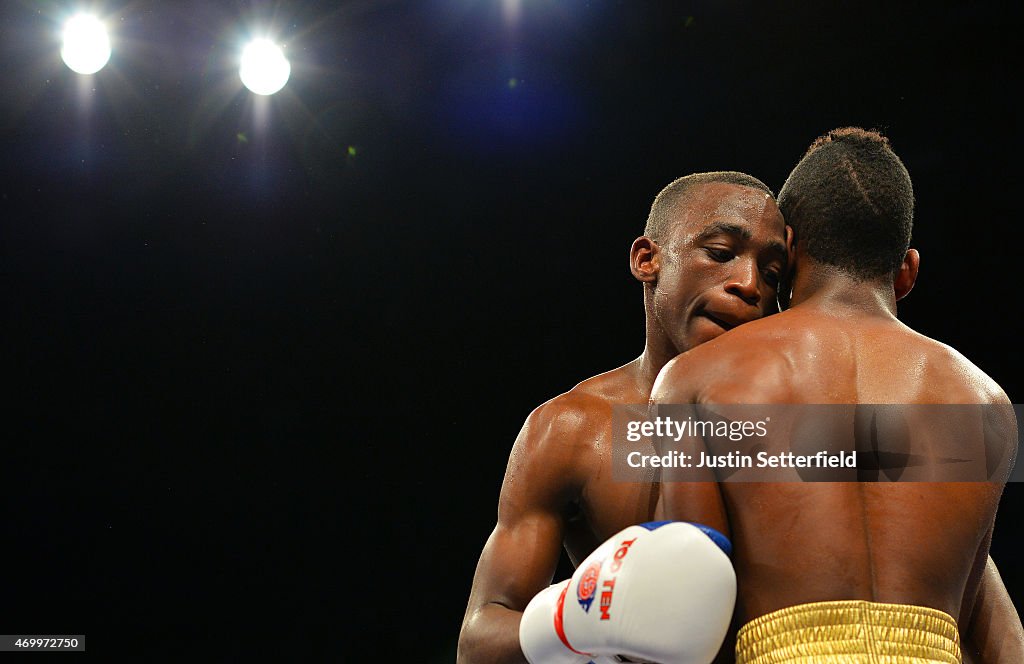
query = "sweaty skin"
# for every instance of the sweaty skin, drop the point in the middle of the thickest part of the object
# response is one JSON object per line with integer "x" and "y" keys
{"x": 718, "y": 267}
{"x": 913, "y": 542}
{"x": 557, "y": 488}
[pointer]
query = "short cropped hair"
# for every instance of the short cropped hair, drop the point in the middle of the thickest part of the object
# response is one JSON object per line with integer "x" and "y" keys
{"x": 667, "y": 202}
{"x": 851, "y": 202}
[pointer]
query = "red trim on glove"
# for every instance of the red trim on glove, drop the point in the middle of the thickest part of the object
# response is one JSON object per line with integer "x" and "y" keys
{"x": 559, "y": 627}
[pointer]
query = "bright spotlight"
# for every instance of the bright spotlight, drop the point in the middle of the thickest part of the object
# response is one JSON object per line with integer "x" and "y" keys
{"x": 264, "y": 68}
{"x": 86, "y": 44}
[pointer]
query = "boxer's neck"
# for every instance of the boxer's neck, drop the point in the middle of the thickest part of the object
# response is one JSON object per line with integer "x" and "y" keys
{"x": 655, "y": 356}
{"x": 828, "y": 287}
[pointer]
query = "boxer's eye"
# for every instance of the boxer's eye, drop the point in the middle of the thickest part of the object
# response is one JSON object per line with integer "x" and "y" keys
{"x": 772, "y": 278}
{"x": 719, "y": 254}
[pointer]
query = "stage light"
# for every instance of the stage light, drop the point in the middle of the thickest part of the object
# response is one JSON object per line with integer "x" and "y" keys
{"x": 86, "y": 44}
{"x": 264, "y": 68}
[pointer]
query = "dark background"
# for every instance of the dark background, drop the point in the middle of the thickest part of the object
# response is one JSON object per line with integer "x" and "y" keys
{"x": 264, "y": 371}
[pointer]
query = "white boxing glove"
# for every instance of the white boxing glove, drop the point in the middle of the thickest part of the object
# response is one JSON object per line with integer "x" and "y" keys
{"x": 658, "y": 592}
{"x": 538, "y": 633}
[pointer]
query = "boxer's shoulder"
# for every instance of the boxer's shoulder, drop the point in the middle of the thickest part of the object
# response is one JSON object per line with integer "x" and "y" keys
{"x": 983, "y": 386}
{"x": 954, "y": 377}
{"x": 589, "y": 405}
{"x": 728, "y": 360}
{"x": 559, "y": 435}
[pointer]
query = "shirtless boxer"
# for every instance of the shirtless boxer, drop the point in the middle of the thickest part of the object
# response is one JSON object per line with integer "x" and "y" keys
{"x": 558, "y": 486}
{"x": 864, "y": 569}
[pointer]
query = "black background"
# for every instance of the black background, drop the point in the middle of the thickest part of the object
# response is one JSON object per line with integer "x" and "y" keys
{"x": 261, "y": 387}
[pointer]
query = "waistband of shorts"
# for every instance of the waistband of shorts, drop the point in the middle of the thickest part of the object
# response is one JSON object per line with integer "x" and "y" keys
{"x": 850, "y": 632}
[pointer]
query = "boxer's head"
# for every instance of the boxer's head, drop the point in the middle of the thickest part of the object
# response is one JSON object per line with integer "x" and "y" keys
{"x": 711, "y": 257}
{"x": 850, "y": 203}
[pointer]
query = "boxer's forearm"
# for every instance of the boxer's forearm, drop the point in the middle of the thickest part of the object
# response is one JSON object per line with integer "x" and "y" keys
{"x": 491, "y": 636}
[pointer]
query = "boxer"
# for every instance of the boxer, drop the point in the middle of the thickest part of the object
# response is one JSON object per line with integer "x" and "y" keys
{"x": 846, "y": 571}
{"x": 558, "y": 488}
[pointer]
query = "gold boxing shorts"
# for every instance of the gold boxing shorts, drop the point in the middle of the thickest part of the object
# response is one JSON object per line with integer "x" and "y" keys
{"x": 850, "y": 632}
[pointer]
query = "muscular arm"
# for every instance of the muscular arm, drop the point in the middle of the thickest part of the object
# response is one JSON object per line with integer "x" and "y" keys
{"x": 994, "y": 633}
{"x": 698, "y": 498}
{"x": 522, "y": 552}
{"x": 699, "y": 502}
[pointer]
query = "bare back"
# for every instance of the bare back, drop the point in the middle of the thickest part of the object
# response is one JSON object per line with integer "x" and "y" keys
{"x": 919, "y": 543}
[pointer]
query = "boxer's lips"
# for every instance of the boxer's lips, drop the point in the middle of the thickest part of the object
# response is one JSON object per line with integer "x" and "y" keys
{"x": 722, "y": 320}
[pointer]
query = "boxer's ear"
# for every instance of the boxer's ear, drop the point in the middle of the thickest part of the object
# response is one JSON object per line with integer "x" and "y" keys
{"x": 907, "y": 274}
{"x": 645, "y": 259}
